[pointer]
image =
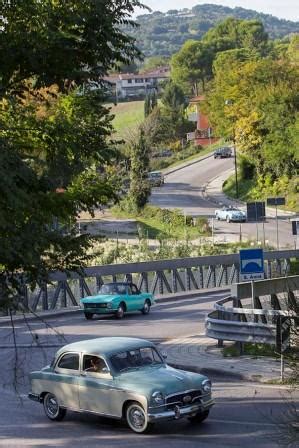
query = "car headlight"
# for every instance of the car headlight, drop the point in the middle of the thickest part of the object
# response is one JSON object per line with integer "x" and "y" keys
{"x": 109, "y": 305}
{"x": 158, "y": 398}
{"x": 207, "y": 385}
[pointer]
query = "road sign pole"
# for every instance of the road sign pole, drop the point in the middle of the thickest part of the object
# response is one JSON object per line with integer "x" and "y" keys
{"x": 252, "y": 294}
{"x": 281, "y": 367}
{"x": 277, "y": 241}
{"x": 257, "y": 229}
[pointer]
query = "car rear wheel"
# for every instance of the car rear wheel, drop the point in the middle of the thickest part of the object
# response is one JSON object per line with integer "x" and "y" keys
{"x": 136, "y": 418}
{"x": 200, "y": 417}
{"x": 146, "y": 307}
{"x": 52, "y": 409}
{"x": 88, "y": 316}
{"x": 120, "y": 311}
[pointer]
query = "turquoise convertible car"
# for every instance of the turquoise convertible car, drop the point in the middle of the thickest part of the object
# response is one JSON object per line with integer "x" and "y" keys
{"x": 122, "y": 378}
{"x": 117, "y": 298}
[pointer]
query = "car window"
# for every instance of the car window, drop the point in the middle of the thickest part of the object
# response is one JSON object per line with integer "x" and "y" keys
{"x": 93, "y": 363}
{"x": 131, "y": 359}
{"x": 69, "y": 361}
{"x": 134, "y": 289}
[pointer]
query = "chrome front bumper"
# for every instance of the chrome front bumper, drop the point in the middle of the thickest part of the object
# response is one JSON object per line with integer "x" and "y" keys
{"x": 35, "y": 397}
{"x": 180, "y": 412}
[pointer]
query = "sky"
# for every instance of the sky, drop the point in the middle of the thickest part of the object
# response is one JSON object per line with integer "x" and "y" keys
{"x": 283, "y": 9}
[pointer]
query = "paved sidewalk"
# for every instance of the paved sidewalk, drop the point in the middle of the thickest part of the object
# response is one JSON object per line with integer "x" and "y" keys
{"x": 201, "y": 354}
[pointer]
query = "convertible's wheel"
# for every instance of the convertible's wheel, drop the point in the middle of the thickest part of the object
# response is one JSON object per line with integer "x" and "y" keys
{"x": 120, "y": 311}
{"x": 227, "y": 219}
{"x": 146, "y": 307}
{"x": 200, "y": 417}
{"x": 52, "y": 409}
{"x": 136, "y": 418}
{"x": 88, "y": 316}
{"x": 217, "y": 217}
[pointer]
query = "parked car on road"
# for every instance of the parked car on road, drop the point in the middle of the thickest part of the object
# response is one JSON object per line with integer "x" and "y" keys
{"x": 222, "y": 153}
{"x": 230, "y": 214}
{"x": 120, "y": 378}
{"x": 156, "y": 178}
{"x": 117, "y": 298}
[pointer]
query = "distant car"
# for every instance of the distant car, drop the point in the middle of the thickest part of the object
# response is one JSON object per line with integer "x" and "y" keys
{"x": 230, "y": 214}
{"x": 156, "y": 178}
{"x": 120, "y": 378}
{"x": 222, "y": 153}
{"x": 117, "y": 298}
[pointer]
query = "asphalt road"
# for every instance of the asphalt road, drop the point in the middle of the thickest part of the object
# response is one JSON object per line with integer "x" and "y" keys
{"x": 245, "y": 414}
{"x": 185, "y": 189}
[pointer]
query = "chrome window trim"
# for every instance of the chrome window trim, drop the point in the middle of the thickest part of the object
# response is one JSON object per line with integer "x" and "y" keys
{"x": 58, "y": 369}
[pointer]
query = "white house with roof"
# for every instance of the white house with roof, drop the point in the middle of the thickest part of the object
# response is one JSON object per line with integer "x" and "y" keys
{"x": 128, "y": 85}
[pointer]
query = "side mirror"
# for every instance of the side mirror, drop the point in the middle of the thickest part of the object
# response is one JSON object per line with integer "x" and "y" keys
{"x": 105, "y": 370}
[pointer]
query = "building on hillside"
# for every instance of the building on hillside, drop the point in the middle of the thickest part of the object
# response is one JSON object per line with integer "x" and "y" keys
{"x": 130, "y": 85}
{"x": 203, "y": 133}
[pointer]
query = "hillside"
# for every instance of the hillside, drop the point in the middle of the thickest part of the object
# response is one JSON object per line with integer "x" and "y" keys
{"x": 164, "y": 33}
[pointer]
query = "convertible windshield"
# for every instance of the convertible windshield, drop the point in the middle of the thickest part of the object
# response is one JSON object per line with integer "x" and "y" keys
{"x": 113, "y": 288}
{"x": 131, "y": 359}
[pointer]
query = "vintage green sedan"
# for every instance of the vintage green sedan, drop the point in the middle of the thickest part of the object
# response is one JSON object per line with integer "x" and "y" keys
{"x": 117, "y": 298}
{"x": 120, "y": 378}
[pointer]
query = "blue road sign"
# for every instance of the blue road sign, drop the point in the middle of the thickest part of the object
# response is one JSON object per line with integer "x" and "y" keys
{"x": 251, "y": 264}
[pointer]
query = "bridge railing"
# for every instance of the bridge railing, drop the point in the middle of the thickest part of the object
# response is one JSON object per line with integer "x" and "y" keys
{"x": 159, "y": 277}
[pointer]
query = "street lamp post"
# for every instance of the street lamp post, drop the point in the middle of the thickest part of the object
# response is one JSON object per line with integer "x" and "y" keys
{"x": 236, "y": 169}
{"x": 229, "y": 103}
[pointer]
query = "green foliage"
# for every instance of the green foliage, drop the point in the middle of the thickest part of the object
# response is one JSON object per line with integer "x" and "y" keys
{"x": 139, "y": 184}
{"x": 55, "y": 145}
{"x": 250, "y": 349}
{"x": 85, "y": 45}
{"x": 193, "y": 63}
{"x": 163, "y": 35}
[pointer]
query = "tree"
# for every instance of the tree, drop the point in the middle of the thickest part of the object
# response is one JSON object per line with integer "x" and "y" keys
{"x": 191, "y": 65}
{"x": 139, "y": 184}
{"x": 65, "y": 41}
{"x": 51, "y": 138}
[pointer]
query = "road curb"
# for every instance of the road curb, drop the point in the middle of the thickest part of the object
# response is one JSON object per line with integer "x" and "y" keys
{"x": 227, "y": 374}
{"x": 193, "y": 162}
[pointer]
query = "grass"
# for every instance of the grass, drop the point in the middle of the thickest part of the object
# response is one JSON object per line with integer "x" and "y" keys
{"x": 248, "y": 192}
{"x": 158, "y": 223}
{"x": 250, "y": 350}
{"x": 128, "y": 116}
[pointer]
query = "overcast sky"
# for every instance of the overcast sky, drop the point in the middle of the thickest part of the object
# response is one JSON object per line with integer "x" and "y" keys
{"x": 284, "y": 9}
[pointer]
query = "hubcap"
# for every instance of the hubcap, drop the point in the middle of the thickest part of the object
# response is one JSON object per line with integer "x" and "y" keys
{"x": 137, "y": 418}
{"x": 52, "y": 406}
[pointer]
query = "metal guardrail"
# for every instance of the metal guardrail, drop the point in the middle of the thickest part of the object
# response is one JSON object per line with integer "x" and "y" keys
{"x": 159, "y": 277}
{"x": 241, "y": 324}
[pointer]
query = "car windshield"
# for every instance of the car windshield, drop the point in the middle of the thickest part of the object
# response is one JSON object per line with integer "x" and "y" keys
{"x": 134, "y": 359}
{"x": 113, "y": 288}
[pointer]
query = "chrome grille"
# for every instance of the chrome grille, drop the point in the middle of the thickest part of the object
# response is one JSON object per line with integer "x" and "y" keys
{"x": 184, "y": 398}
{"x": 95, "y": 305}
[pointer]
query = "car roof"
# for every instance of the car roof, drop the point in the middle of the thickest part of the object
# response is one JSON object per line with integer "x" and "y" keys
{"x": 105, "y": 345}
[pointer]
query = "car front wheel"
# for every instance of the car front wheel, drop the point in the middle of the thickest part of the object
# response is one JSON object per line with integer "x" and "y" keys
{"x": 52, "y": 409}
{"x": 120, "y": 311}
{"x": 88, "y": 316}
{"x": 146, "y": 307}
{"x": 136, "y": 418}
{"x": 200, "y": 417}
